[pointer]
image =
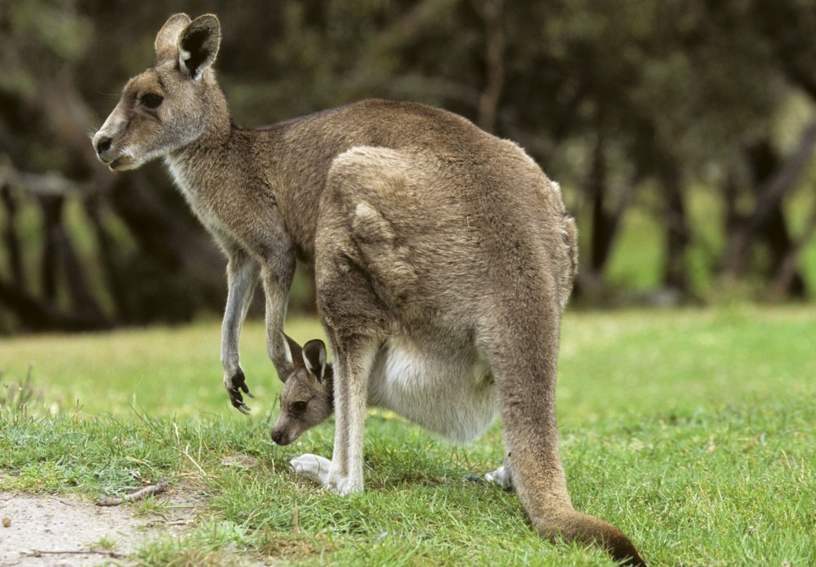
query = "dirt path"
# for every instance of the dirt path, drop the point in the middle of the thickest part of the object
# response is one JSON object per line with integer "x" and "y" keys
{"x": 55, "y": 531}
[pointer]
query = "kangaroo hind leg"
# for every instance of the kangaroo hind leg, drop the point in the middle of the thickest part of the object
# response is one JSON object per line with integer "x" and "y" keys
{"x": 502, "y": 476}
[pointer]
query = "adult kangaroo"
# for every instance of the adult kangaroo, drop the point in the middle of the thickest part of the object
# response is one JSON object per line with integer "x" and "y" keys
{"x": 429, "y": 237}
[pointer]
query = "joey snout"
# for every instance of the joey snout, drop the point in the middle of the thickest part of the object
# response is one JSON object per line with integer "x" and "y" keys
{"x": 280, "y": 437}
{"x": 285, "y": 431}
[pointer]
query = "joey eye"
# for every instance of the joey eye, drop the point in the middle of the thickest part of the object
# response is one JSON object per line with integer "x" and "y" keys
{"x": 151, "y": 100}
{"x": 299, "y": 407}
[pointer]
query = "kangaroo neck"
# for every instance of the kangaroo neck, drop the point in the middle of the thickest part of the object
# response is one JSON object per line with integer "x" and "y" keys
{"x": 196, "y": 166}
{"x": 271, "y": 160}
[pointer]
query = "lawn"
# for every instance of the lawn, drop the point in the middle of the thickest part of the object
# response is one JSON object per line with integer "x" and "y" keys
{"x": 691, "y": 430}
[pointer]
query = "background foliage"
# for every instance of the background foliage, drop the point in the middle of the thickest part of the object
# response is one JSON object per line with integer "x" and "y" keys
{"x": 681, "y": 131}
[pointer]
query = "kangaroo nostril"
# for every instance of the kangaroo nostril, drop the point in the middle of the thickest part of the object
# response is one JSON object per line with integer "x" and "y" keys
{"x": 102, "y": 145}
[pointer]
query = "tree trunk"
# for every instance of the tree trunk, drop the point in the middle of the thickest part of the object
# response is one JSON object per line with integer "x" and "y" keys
{"x": 774, "y": 232}
{"x": 773, "y": 179}
{"x": 492, "y": 13}
{"x": 59, "y": 252}
{"x": 107, "y": 257}
{"x": 730, "y": 190}
{"x": 787, "y": 271}
{"x": 781, "y": 246}
{"x": 51, "y": 207}
{"x": 603, "y": 229}
{"x": 675, "y": 270}
{"x": 13, "y": 248}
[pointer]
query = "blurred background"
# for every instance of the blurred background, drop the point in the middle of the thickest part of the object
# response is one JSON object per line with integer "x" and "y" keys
{"x": 682, "y": 133}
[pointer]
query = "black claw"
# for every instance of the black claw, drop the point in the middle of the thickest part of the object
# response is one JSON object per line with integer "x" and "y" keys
{"x": 245, "y": 389}
{"x": 238, "y": 382}
{"x": 239, "y": 404}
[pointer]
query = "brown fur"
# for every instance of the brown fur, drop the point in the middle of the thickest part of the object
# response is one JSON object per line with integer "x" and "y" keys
{"x": 418, "y": 224}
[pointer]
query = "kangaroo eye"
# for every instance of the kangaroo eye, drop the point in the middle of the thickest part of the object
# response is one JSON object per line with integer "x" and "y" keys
{"x": 299, "y": 407}
{"x": 151, "y": 100}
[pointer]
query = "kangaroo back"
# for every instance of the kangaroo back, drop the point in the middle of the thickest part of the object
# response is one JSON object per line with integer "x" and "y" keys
{"x": 521, "y": 343}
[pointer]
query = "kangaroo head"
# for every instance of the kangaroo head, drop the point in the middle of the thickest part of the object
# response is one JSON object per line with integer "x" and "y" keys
{"x": 171, "y": 104}
{"x": 307, "y": 398}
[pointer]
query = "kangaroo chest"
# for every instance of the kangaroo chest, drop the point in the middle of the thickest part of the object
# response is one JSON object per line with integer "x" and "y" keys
{"x": 199, "y": 204}
{"x": 214, "y": 206}
{"x": 450, "y": 393}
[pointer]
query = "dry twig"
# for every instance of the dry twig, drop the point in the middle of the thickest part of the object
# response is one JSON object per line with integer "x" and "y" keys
{"x": 151, "y": 490}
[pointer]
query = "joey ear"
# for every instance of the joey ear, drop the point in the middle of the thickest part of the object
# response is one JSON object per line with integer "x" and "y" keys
{"x": 198, "y": 45}
{"x": 293, "y": 354}
{"x": 166, "y": 43}
{"x": 314, "y": 357}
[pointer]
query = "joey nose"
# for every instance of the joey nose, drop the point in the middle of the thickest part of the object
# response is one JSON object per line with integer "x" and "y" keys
{"x": 103, "y": 145}
{"x": 279, "y": 437}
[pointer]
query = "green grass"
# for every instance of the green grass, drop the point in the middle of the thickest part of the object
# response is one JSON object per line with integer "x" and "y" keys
{"x": 693, "y": 431}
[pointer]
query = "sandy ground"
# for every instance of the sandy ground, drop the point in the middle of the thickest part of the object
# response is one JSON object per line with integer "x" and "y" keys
{"x": 47, "y": 530}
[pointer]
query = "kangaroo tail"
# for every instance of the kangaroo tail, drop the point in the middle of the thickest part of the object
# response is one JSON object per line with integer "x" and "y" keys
{"x": 521, "y": 344}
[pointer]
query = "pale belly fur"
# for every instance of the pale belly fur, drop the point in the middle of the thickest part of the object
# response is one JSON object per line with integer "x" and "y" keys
{"x": 450, "y": 393}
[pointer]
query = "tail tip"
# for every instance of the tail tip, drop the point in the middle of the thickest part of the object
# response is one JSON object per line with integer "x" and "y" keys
{"x": 594, "y": 531}
{"x": 624, "y": 551}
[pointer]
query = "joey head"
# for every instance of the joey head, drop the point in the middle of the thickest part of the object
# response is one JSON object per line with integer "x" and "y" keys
{"x": 307, "y": 397}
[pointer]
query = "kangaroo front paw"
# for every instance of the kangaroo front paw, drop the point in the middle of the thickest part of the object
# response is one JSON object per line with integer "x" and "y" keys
{"x": 313, "y": 467}
{"x": 235, "y": 383}
{"x": 501, "y": 476}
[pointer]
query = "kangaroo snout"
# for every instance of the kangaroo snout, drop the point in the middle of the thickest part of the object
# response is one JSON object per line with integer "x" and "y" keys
{"x": 106, "y": 151}
{"x": 112, "y": 143}
{"x": 102, "y": 145}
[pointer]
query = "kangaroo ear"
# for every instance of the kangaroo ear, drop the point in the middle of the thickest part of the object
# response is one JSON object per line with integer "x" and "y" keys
{"x": 166, "y": 43}
{"x": 314, "y": 357}
{"x": 198, "y": 45}
{"x": 293, "y": 354}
